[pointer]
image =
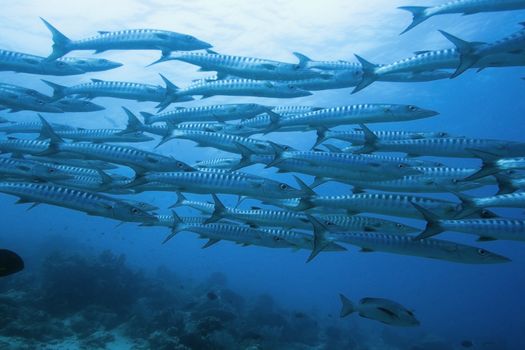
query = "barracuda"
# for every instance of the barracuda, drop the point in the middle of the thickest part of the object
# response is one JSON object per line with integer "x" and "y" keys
{"x": 101, "y": 135}
{"x": 384, "y": 167}
{"x": 405, "y": 245}
{"x": 472, "y": 52}
{"x": 130, "y": 39}
{"x": 170, "y": 220}
{"x": 209, "y": 181}
{"x": 80, "y": 163}
{"x": 357, "y": 136}
{"x": 30, "y": 127}
{"x": 465, "y": 7}
{"x": 290, "y": 219}
{"x": 485, "y": 229}
{"x": 216, "y": 113}
{"x": 510, "y": 200}
{"x": 29, "y": 169}
{"x": 88, "y": 202}
{"x": 90, "y": 64}
{"x": 353, "y": 114}
{"x": 442, "y": 147}
{"x": 242, "y": 87}
{"x": 244, "y": 67}
{"x": 122, "y": 90}
{"x": 101, "y": 183}
{"x": 431, "y": 180}
{"x": 235, "y": 233}
{"x": 428, "y": 63}
{"x": 382, "y": 203}
{"x": 139, "y": 160}
{"x": 26, "y": 63}
{"x": 135, "y": 125}
{"x": 222, "y": 141}
{"x": 18, "y": 101}
{"x": 300, "y": 239}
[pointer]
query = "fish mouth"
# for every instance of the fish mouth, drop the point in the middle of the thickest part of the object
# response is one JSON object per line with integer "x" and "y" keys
{"x": 429, "y": 113}
{"x": 113, "y": 65}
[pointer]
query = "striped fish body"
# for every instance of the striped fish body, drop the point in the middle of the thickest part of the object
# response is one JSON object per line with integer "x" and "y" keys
{"x": 138, "y": 39}
{"x": 102, "y": 135}
{"x": 118, "y": 89}
{"x": 511, "y": 200}
{"x": 506, "y": 229}
{"x": 427, "y": 248}
{"x": 356, "y": 114}
{"x": 357, "y": 137}
{"x": 133, "y": 157}
{"x": 359, "y": 223}
{"x": 25, "y": 63}
{"x": 30, "y": 127}
{"x": 205, "y": 182}
{"x": 386, "y": 204}
{"x": 90, "y": 64}
{"x": 222, "y": 141}
{"x": 238, "y": 234}
{"x": 468, "y": 7}
{"x": 23, "y": 146}
{"x": 88, "y": 202}
{"x": 220, "y": 113}
{"x": 243, "y": 87}
{"x": 452, "y": 147}
{"x": 247, "y": 67}
{"x": 23, "y": 168}
{"x": 17, "y": 101}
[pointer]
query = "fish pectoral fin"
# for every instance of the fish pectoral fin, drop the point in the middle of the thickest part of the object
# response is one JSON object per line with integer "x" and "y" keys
{"x": 485, "y": 239}
{"x": 99, "y": 51}
{"x": 256, "y": 182}
{"x": 210, "y": 242}
{"x": 33, "y": 205}
{"x": 366, "y": 250}
{"x": 23, "y": 201}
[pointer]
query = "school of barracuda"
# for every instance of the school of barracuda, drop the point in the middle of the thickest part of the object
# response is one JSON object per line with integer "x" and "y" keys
{"x": 69, "y": 167}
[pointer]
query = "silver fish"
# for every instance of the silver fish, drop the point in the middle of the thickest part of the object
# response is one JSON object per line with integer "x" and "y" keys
{"x": 26, "y": 63}
{"x": 88, "y": 202}
{"x": 130, "y": 39}
{"x": 465, "y": 7}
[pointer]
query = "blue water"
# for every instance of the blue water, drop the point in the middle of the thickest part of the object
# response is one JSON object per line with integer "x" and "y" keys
{"x": 454, "y": 302}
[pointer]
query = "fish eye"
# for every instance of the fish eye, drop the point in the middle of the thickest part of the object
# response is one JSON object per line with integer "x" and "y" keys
{"x": 180, "y": 165}
{"x": 134, "y": 210}
{"x": 412, "y": 108}
{"x": 442, "y": 134}
{"x": 398, "y": 225}
{"x": 291, "y": 86}
{"x": 60, "y": 63}
{"x": 51, "y": 170}
{"x": 276, "y": 238}
{"x": 410, "y": 313}
{"x": 401, "y": 165}
{"x": 482, "y": 252}
{"x": 455, "y": 181}
{"x": 283, "y": 186}
{"x": 329, "y": 223}
{"x": 40, "y": 102}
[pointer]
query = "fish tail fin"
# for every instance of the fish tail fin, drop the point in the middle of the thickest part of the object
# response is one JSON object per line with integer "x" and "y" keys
{"x": 468, "y": 205}
{"x": 347, "y": 307}
{"x": 371, "y": 140}
{"x": 418, "y": 16}
{"x": 218, "y": 211}
{"x": 274, "y": 122}
{"x": 178, "y": 226}
{"x": 171, "y": 93}
{"x": 369, "y": 75}
{"x": 47, "y": 132}
{"x": 320, "y": 241}
{"x": 466, "y": 50}
{"x": 58, "y": 90}
{"x": 147, "y": 117}
{"x": 60, "y": 42}
{"x": 246, "y": 156}
{"x": 180, "y": 200}
{"x": 488, "y": 166}
{"x": 134, "y": 124}
{"x": 278, "y": 151}
{"x": 138, "y": 180}
{"x": 165, "y": 56}
{"x": 505, "y": 185}
{"x": 432, "y": 227}
{"x": 321, "y": 135}
{"x": 303, "y": 59}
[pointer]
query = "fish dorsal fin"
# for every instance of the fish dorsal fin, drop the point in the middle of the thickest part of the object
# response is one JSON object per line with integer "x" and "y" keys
{"x": 303, "y": 59}
{"x": 96, "y": 80}
{"x": 211, "y": 52}
{"x": 102, "y": 32}
{"x": 255, "y": 208}
{"x": 422, "y": 52}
